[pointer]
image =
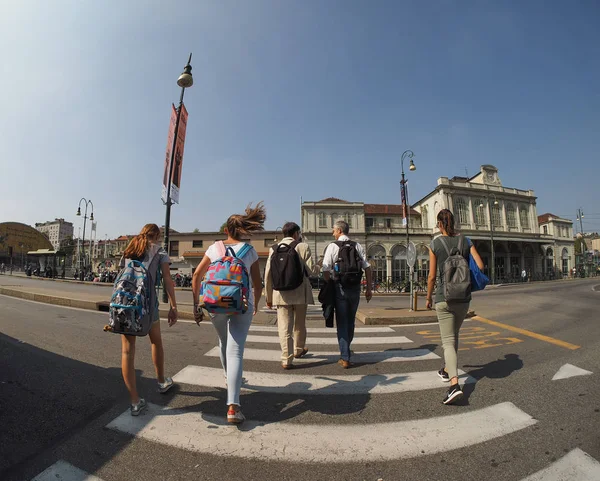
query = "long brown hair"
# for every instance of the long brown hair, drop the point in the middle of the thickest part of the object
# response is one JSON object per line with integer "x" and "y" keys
{"x": 138, "y": 246}
{"x": 446, "y": 218}
{"x": 253, "y": 220}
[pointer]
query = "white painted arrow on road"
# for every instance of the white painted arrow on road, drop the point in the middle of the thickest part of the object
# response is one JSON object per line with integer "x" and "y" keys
{"x": 309, "y": 384}
{"x": 322, "y": 443}
{"x": 568, "y": 370}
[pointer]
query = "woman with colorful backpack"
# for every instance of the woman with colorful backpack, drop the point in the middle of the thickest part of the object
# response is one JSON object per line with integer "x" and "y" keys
{"x": 145, "y": 249}
{"x": 228, "y": 285}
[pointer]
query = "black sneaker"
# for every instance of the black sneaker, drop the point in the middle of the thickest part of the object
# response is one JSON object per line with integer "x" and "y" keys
{"x": 454, "y": 394}
{"x": 444, "y": 375}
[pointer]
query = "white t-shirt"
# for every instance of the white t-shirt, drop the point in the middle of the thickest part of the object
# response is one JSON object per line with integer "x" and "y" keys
{"x": 249, "y": 258}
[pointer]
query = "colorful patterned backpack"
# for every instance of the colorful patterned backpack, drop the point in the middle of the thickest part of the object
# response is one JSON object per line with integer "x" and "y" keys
{"x": 226, "y": 284}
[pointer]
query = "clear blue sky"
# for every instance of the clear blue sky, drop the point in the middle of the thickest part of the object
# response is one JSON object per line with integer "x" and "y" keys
{"x": 293, "y": 99}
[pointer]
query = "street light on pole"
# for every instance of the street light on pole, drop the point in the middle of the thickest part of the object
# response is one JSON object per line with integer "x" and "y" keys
{"x": 405, "y": 210}
{"x": 185, "y": 80}
{"x": 85, "y": 217}
{"x": 491, "y": 235}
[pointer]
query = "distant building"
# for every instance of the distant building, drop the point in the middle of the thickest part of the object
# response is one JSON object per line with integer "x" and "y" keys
{"x": 57, "y": 231}
{"x": 482, "y": 208}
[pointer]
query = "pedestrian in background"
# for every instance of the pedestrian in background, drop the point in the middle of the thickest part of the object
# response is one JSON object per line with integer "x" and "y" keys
{"x": 145, "y": 248}
{"x": 450, "y": 314}
{"x": 287, "y": 287}
{"x": 232, "y": 329}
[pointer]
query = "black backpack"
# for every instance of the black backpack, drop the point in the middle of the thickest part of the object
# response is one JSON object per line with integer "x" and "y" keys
{"x": 287, "y": 271}
{"x": 348, "y": 264}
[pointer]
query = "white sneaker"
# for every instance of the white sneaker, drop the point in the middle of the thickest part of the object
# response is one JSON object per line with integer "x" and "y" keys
{"x": 163, "y": 387}
{"x": 136, "y": 409}
{"x": 235, "y": 417}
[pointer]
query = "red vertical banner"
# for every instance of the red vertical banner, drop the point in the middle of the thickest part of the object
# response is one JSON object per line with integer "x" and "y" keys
{"x": 170, "y": 137}
{"x": 178, "y": 158}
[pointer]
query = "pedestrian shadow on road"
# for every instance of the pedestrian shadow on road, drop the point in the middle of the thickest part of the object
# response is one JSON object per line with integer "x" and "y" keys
{"x": 296, "y": 398}
{"x": 498, "y": 369}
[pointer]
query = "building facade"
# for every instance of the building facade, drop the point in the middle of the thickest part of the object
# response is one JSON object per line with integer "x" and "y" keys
{"x": 484, "y": 210}
{"x": 57, "y": 231}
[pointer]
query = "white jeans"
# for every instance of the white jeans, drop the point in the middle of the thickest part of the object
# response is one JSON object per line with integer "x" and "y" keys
{"x": 232, "y": 331}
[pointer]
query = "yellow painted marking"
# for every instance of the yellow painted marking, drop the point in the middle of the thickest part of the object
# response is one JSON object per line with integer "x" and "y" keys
{"x": 525, "y": 332}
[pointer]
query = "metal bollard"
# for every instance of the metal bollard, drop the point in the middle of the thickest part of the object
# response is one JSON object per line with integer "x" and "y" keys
{"x": 415, "y": 297}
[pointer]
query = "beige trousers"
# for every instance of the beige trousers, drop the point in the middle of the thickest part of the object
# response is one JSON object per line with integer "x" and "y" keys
{"x": 291, "y": 324}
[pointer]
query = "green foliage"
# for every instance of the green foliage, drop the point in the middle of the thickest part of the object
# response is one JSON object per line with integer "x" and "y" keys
{"x": 196, "y": 230}
{"x": 222, "y": 229}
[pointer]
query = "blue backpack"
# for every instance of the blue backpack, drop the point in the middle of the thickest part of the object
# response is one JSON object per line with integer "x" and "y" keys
{"x": 131, "y": 309}
{"x": 226, "y": 285}
{"x": 478, "y": 279}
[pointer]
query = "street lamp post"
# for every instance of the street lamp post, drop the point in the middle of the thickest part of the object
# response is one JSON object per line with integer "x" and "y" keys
{"x": 85, "y": 217}
{"x": 405, "y": 210}
{"x": 491, "y": 236}
{"x": 185, "y": 80}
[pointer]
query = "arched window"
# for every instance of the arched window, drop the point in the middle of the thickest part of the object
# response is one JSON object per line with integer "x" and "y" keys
{"x": 400, "y": 270}
{"x": 511, "y": 215}
{"x": 425, "y": 217}
{"x": 479, "y": 208}
{"x": 496, "y": 216}
{"x": 377, "y": 259}
{"x": 524, "y": 216}
{"x": 322, "y": 219}
{"x": 461, "y": 208}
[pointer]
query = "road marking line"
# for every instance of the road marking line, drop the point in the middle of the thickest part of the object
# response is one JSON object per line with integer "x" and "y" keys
{"x": 312, "y": 384}
{"x": 525, "y": 332}
{"x": 395, "y": 355}
{"x": 324, "y": 330}
{"x": 321, "y": 443}
{"x": 333, "y": 340}
{"x": 577, "y": 465}
{"x": 568, "y": 370}
{"x": 63, "y": 471}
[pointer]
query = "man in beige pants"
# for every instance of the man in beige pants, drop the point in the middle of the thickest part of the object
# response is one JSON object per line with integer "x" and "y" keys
{"x": 291, "y": 304}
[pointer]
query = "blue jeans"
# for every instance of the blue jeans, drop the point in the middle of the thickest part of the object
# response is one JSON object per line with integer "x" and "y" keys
{"x": 232, "y": 331}
{"x": 346, "y": 305}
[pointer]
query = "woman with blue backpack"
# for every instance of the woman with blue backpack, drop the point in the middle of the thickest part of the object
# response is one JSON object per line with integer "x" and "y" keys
{"x": 228, "y": 285}
{"x": 145, "y": 249}
{"x": 450, "y": 255}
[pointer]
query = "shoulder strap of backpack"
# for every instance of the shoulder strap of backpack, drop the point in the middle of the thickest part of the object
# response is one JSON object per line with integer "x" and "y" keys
{"x": 243, "y": 251}
{"x": 292, "y": 245}
{"x": 446, "y": 248}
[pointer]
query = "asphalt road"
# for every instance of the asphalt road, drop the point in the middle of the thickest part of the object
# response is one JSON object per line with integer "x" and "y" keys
{"x": 60, "y": 387}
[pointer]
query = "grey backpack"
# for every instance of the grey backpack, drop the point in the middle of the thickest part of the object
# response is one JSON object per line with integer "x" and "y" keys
{"x": 456, "y": 274}
{"x": 134, "y": 299}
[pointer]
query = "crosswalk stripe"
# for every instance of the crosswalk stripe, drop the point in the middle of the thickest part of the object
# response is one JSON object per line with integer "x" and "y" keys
{"x": 325, "y": 330}
{"x": 577, "y": 465}
{"x": 322, "y": 443}
{"x": 312, "y": 384}
{"x": 395, "y": 355}
{"x": 333, "y": 340}
{"x": 63, "y": 471}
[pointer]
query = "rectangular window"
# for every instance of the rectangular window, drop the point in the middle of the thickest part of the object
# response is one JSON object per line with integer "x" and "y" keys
{"x": 388, "y": 223}
{"x": 322, "y": 220}
{"x": 545, "y": 230}
{"x": 174, "y": 249}
{"x": 369, "y": 222}
{"x": 269, "y": 242}
{"x": 197, "y": 244}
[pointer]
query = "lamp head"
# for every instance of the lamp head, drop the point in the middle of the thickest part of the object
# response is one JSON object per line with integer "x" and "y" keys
{"x": 79, "y": 211}
{"x": 495, "y": 202}
{"x": 412, "y": 165}
{"x": 92, "y": 216}
{"x": 186, "y": 80}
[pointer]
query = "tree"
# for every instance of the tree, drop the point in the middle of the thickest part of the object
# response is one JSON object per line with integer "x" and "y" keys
{"x": 222, "y": 229}
{"x": 580, "y": 245}
{"x": 196, "y": 230}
